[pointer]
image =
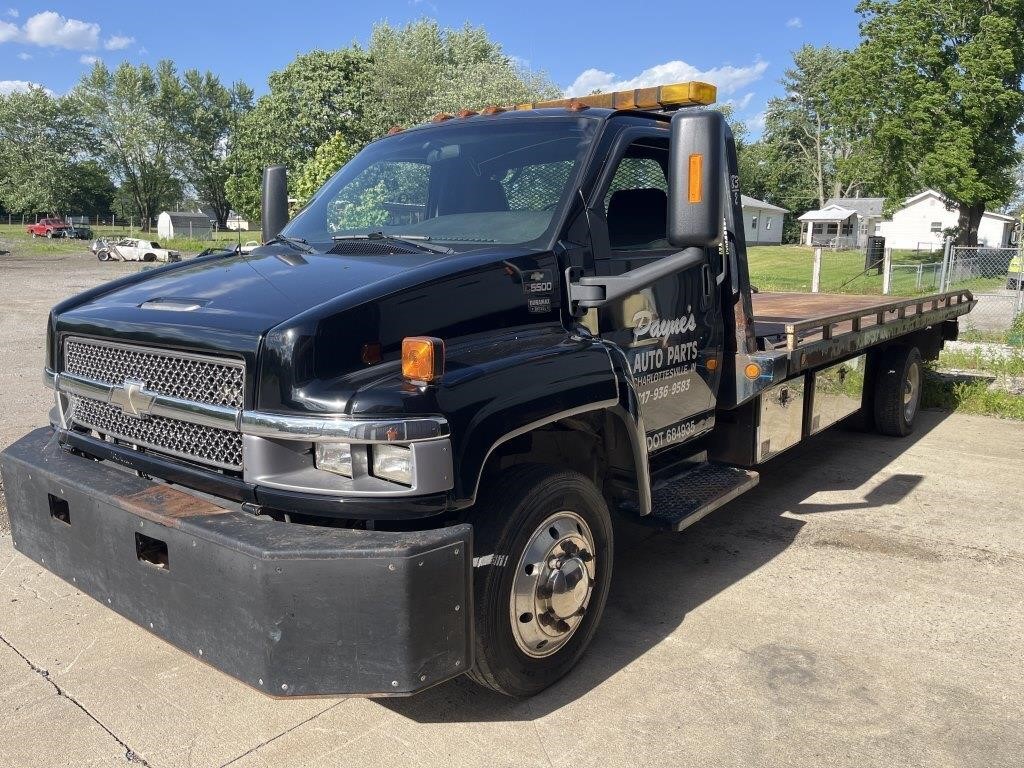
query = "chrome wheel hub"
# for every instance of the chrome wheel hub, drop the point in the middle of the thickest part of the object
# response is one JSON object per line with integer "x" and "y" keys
{"x": 553, "y": 583}
{"x": 911, "y": 391}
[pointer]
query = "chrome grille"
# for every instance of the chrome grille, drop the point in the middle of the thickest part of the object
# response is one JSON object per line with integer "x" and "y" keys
{"x": 195, "y": 378}
{"x": 176, "y": 374}
{"x": 209, "y": 445}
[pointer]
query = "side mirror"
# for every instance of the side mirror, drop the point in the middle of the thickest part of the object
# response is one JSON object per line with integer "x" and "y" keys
{"x": 274, "y": 201}
{"x": 696, "y": 151}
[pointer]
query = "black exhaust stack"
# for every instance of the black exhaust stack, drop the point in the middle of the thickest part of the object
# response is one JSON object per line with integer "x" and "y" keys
{"x": 274, "y": 201}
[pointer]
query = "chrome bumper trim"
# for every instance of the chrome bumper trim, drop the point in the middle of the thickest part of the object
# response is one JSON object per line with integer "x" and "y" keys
{"x": 345, "y": 429}
{"x": 269, "y": 425}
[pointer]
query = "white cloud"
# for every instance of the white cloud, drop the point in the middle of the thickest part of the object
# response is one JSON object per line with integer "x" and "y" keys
{"x": 13, "y": 13}
{"x": 728, "y": 78}
{"x": 25, "y": 56}
{"x": 742, "y": 102}
{"x": 88, "y": 59}
{"x": 118, "y": 42}
{"x": 795, "y": 23}
{"x": 8, "y": 32}
{"x": 19, "y": 86}
{"x": 50, "y": 29}
{"x": 755, "y": 124}
{"x": 142, "y": 51}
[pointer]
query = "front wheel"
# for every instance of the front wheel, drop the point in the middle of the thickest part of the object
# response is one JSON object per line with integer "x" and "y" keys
{"x": 543, "y": 546}
{"x": 898, "y": 382}
{"x": 103, "y": 255}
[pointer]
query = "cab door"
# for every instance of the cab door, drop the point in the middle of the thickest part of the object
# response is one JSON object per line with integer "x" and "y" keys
{"x": 671, "y": 331}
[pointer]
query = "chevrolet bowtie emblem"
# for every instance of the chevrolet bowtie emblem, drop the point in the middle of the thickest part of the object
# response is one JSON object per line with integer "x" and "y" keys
{"x": 133, "y": 399}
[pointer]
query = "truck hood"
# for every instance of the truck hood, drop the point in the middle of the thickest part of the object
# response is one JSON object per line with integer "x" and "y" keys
{"x": 226, "y": 304}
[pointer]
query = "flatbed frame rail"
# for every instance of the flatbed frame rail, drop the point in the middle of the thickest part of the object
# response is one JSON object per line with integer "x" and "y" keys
{"x": 816, "y": 340}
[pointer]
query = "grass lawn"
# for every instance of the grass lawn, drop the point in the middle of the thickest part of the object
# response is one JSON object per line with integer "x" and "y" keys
{"x": 15, "y": 233}
{"x": 789, "y": 267}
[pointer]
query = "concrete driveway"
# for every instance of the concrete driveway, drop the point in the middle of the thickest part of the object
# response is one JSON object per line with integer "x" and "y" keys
{"x": 861, "y": 607}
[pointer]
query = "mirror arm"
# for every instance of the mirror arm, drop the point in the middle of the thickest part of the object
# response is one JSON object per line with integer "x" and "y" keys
{"x": 598, "y": 290}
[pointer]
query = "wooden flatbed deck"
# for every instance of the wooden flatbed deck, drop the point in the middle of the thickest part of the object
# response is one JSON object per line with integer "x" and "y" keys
{"x": 814, "y": 327}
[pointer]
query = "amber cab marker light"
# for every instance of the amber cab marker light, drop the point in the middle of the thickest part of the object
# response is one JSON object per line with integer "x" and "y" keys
{"x": 422, "y": 359}
{"x": 696, "y": 190}
{"x": 752, "y": 371}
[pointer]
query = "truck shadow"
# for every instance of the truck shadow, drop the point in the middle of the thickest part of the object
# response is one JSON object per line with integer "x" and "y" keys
{"x": 659, "y": 578}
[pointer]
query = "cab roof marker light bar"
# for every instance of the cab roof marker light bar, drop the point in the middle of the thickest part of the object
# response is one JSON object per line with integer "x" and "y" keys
{"x": 674, "y": 96}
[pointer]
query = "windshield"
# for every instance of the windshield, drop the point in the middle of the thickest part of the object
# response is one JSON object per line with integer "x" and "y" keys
{"x": 464, "y": 184}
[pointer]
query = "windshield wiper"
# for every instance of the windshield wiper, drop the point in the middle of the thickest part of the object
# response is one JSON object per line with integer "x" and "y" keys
{"x": 416, "y": 241}
{"x": 297, "y": 243}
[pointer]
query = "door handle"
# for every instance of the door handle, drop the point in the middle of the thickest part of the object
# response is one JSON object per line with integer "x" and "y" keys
{"x": 708, "y": 284}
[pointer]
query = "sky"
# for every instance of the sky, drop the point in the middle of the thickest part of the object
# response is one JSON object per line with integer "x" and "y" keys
{"x": 743, "y": 47}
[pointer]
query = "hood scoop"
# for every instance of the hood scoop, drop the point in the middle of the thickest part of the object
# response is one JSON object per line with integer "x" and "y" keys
{"x": 173, "y": 304}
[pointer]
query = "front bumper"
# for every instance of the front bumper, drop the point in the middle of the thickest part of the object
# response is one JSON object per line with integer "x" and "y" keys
{"x": 290, "y": 609}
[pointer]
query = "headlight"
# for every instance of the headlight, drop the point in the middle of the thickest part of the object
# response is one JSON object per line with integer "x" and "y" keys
{"x": 393, "y": 462}
{"x": 334, "y": 457}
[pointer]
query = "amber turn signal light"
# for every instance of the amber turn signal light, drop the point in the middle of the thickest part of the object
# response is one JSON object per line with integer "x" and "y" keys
{"x": 422, "y": 358}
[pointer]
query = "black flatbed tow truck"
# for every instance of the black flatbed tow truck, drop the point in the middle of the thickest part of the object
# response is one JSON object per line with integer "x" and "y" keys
{"x": 387, "y": 447}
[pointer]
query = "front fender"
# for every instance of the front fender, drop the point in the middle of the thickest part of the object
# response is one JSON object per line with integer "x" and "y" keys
{"x": 539, "y": 384}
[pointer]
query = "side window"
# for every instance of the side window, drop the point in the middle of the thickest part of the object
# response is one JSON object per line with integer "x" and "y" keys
{"x": 768, "y": 223}
{"x": 636, "y": 203}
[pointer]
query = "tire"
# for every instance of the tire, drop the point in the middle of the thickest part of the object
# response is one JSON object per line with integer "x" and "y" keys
{"x": 49, "y": 234}
{"x": 149, "y": 257}
{"x": 103, "y": 255}
{"x": 535, "y": 516}
{"x": 34, "y": 235}
{"x": 897, "y": 390}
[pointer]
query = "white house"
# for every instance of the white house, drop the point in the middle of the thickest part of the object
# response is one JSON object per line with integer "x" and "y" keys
{"x": 762, "y": 222}
{"x": 843, "y": 222}
{"x": 922, "y": 219}
{"x": 171, "y": 224}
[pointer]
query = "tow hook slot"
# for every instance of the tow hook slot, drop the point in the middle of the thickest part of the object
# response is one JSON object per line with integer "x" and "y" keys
{"x": 151, "y": 551}
{"x": 59, "y": 509}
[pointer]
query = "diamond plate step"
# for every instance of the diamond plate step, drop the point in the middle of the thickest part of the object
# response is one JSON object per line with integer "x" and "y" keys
{"x": 683, "y": 500}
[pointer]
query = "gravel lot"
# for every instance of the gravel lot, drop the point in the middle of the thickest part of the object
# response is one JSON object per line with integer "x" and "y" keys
{"x": 861, "y": 607}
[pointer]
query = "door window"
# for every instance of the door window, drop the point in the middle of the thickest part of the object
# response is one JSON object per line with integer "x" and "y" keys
{"x": 636, "y": 203}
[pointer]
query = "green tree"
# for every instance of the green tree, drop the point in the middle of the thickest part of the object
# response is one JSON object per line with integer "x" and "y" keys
{"x": 131, "y": 112}
{"x": 938, "y": 86}
{"x": 40, "y": 139}
{"x": 326, "y": 161}
{"x": 809, "y": 142}
{"x": 422, "y": 69}
{"x": 318, "y": 95}
{"x": 204, "y": 119}
{"x": 90, "y": 190}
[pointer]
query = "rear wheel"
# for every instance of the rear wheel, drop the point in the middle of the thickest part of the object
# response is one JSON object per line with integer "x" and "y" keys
{"x": 897, "y": 397}
{"x": 149, "y": 257}
{"x": 49, "y": 234}
{"x": 103, "y": 255}
{"x": 546, "y": 539}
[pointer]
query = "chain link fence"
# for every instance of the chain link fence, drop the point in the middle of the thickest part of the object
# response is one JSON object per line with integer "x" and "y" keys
{"x": 996, "y": 278}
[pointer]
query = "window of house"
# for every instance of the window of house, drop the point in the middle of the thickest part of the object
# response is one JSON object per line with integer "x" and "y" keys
{"x": 832, "y": 228}
{"x": 768, "y": 223}
{"x": 936, "y": 227}
{"x": 753, "y": 222}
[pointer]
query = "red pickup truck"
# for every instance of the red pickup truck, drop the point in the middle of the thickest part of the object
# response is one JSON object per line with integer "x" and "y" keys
{"x": 49, "y": 228}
